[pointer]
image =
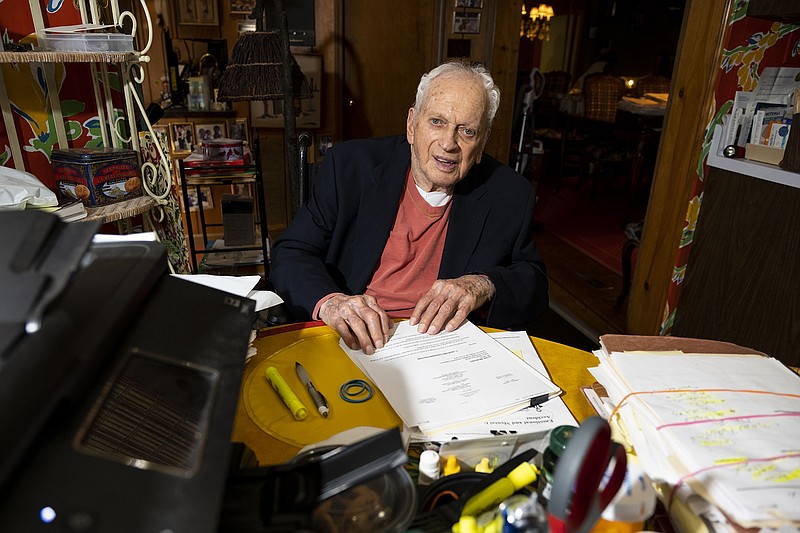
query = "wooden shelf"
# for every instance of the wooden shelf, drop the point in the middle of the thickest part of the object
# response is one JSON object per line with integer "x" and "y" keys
{"x": 783, "y": 10}
{"x": 178, "y": 112}
{"x": 68, "y": 57}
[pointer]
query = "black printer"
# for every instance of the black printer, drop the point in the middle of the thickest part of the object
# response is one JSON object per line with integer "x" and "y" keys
{"x": 118, "y": 383}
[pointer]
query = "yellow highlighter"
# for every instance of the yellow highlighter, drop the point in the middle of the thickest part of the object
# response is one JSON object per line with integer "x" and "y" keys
{"x": 522, "y": 475}
{"x": 294, "y": 404}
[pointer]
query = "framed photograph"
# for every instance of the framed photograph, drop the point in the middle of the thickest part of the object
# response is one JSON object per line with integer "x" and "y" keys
{"x": 205, "y": 196}
{"x": 209, "y": 132}
{"x": 469, "y": 3}
{"x": 243, "y": 25}
{"x": 239, "y": 7}
{"x": 269, "y": 114}
{"x": 197, "y": 12}
{"x": 181, "y": 137}
{"x": 237, "y": 129}
{"x": 162, "y": 135}
{"x": 325, "y": 142}
{"x": 466, "y": 22}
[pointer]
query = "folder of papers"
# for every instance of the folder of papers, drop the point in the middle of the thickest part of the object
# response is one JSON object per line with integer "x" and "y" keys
{"x": 438, "y": 382}
{"x": 724, "y": 427}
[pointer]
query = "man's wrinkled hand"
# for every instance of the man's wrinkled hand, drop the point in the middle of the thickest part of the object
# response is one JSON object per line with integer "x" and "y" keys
{"x": 359, "y": 321}
{"x": 449, "y": 301}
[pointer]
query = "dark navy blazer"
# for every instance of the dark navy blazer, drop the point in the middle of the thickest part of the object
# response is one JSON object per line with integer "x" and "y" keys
{"x": 335, "y": 242}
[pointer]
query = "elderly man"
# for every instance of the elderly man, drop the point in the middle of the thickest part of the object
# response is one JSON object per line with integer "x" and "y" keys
{"x": 424, "y": 227}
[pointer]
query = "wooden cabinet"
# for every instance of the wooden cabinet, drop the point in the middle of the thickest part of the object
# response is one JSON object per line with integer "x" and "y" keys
{"x": 742, "y": 283}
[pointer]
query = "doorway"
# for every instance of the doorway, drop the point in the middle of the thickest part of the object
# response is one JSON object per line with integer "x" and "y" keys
{"x": 583, "y": 211}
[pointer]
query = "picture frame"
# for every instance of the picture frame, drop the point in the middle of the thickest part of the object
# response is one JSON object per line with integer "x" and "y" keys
{"x": 210, "y": 131}
{"x": 197, "y": 12}
{"x": 242, "y": 7}
{"x": 269, "y": 114}
{"x": 244, "y": 25}
{"x": 181, "y": 136}
{"x": 238, "y": 129}
{"x": 325, "y": 142}
{"x": 477, "y": 4}
{"x": 466, "y": 22}
{"x": 160, "y": 130}
{"x": 205, "y": 196}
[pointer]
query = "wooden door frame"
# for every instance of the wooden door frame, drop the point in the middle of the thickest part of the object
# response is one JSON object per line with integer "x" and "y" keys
{"x": 691, "y": 104}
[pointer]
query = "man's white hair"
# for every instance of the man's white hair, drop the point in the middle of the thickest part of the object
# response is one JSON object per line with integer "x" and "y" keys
{"x": 477, "y": 70}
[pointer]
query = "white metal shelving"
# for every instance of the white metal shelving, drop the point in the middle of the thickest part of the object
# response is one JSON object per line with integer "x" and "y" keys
{"x": 131, "y": 73}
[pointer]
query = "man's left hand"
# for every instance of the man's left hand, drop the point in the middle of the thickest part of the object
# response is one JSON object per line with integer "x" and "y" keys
{"x": 449, "y": 301}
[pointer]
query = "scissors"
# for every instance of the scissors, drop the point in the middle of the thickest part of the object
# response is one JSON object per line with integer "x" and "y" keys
{"x": 579, "y": 495}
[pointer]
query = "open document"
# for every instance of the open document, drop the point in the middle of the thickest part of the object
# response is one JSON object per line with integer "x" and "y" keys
{"x": 725, "y": 426}
{"x": 438, "y": 382}
{"x": 536, "y": 420}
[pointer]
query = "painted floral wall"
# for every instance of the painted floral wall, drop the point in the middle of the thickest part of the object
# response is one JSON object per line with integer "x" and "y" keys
{"x": 27, "y": 92}
{"x": 33, "y": 115}
{"x": 752, "y": 44}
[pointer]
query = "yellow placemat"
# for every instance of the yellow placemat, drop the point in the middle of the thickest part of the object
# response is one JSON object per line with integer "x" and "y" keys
{"x": 316, "y": 347}
{"x": 329, "y": 368}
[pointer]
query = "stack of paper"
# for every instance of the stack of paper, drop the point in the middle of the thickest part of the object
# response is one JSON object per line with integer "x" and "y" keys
{"x": 439, "y": 382}
{"x": 661, "y": 98}
{"x": 725, "y": 427}
{"x": 641, "y": 106}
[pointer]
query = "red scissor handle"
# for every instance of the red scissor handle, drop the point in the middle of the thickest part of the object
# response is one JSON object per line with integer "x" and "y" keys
{"x": 578, "y": 495}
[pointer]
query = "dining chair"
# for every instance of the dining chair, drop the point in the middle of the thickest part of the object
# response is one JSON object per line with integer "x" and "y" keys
{"x": 653, "y": 83}
{"x": 601, "y": 94}
{"x": 547, "y": 109}
{"x": 595, "y": 146}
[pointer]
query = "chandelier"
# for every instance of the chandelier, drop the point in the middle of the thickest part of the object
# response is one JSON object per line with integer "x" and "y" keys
{"x": 536, "y": 23}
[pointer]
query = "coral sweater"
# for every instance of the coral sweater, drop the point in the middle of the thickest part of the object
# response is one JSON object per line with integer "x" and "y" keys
{"x": 410, "y": 261}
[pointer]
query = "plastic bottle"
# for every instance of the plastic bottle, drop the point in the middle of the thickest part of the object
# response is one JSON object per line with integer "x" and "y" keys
{"x": 558, "y": 441}
{"x": 428, "y": 467}
{"x": 634, "y": 503}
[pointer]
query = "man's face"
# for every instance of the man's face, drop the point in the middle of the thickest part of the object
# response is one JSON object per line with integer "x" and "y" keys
{"x": 447, "y": 136}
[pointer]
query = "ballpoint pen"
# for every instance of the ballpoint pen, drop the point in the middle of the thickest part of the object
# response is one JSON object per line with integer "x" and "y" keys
{"x": 319, "y": 399}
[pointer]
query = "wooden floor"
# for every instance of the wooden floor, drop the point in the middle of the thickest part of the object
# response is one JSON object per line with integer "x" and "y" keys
{"x": 581, "y": 289}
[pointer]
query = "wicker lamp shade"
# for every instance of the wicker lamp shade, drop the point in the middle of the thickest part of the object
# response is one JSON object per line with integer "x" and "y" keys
{"x": 255, "y": 70}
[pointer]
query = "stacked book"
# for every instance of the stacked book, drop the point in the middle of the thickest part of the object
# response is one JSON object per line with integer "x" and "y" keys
{"x": 439, "y": 382}
{"x": 718, "y": 424}
{"x": 195, "y": 165}
{"x": 68, "y": 211}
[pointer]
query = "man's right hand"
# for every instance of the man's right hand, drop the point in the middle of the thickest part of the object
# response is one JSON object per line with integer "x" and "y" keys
{"x": 359, "y": 320}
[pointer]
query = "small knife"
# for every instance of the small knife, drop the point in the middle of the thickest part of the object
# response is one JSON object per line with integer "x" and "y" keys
{"x": 319, "y": 399}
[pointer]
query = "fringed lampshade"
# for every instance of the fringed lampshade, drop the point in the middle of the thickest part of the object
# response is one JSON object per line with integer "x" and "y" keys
{"x": 262, "y": 67}
{"x": 255, "y": 70}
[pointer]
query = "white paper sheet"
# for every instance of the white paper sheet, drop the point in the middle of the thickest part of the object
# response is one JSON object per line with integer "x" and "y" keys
{"x": 238, "y": 285}
{"x": 728, "y": 426}
{"x": 439, "y": 381}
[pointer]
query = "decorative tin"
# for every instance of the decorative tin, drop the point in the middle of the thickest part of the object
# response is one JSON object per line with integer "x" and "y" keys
{"x": 96, "y": 176}
{"x": 222, "y": 149}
